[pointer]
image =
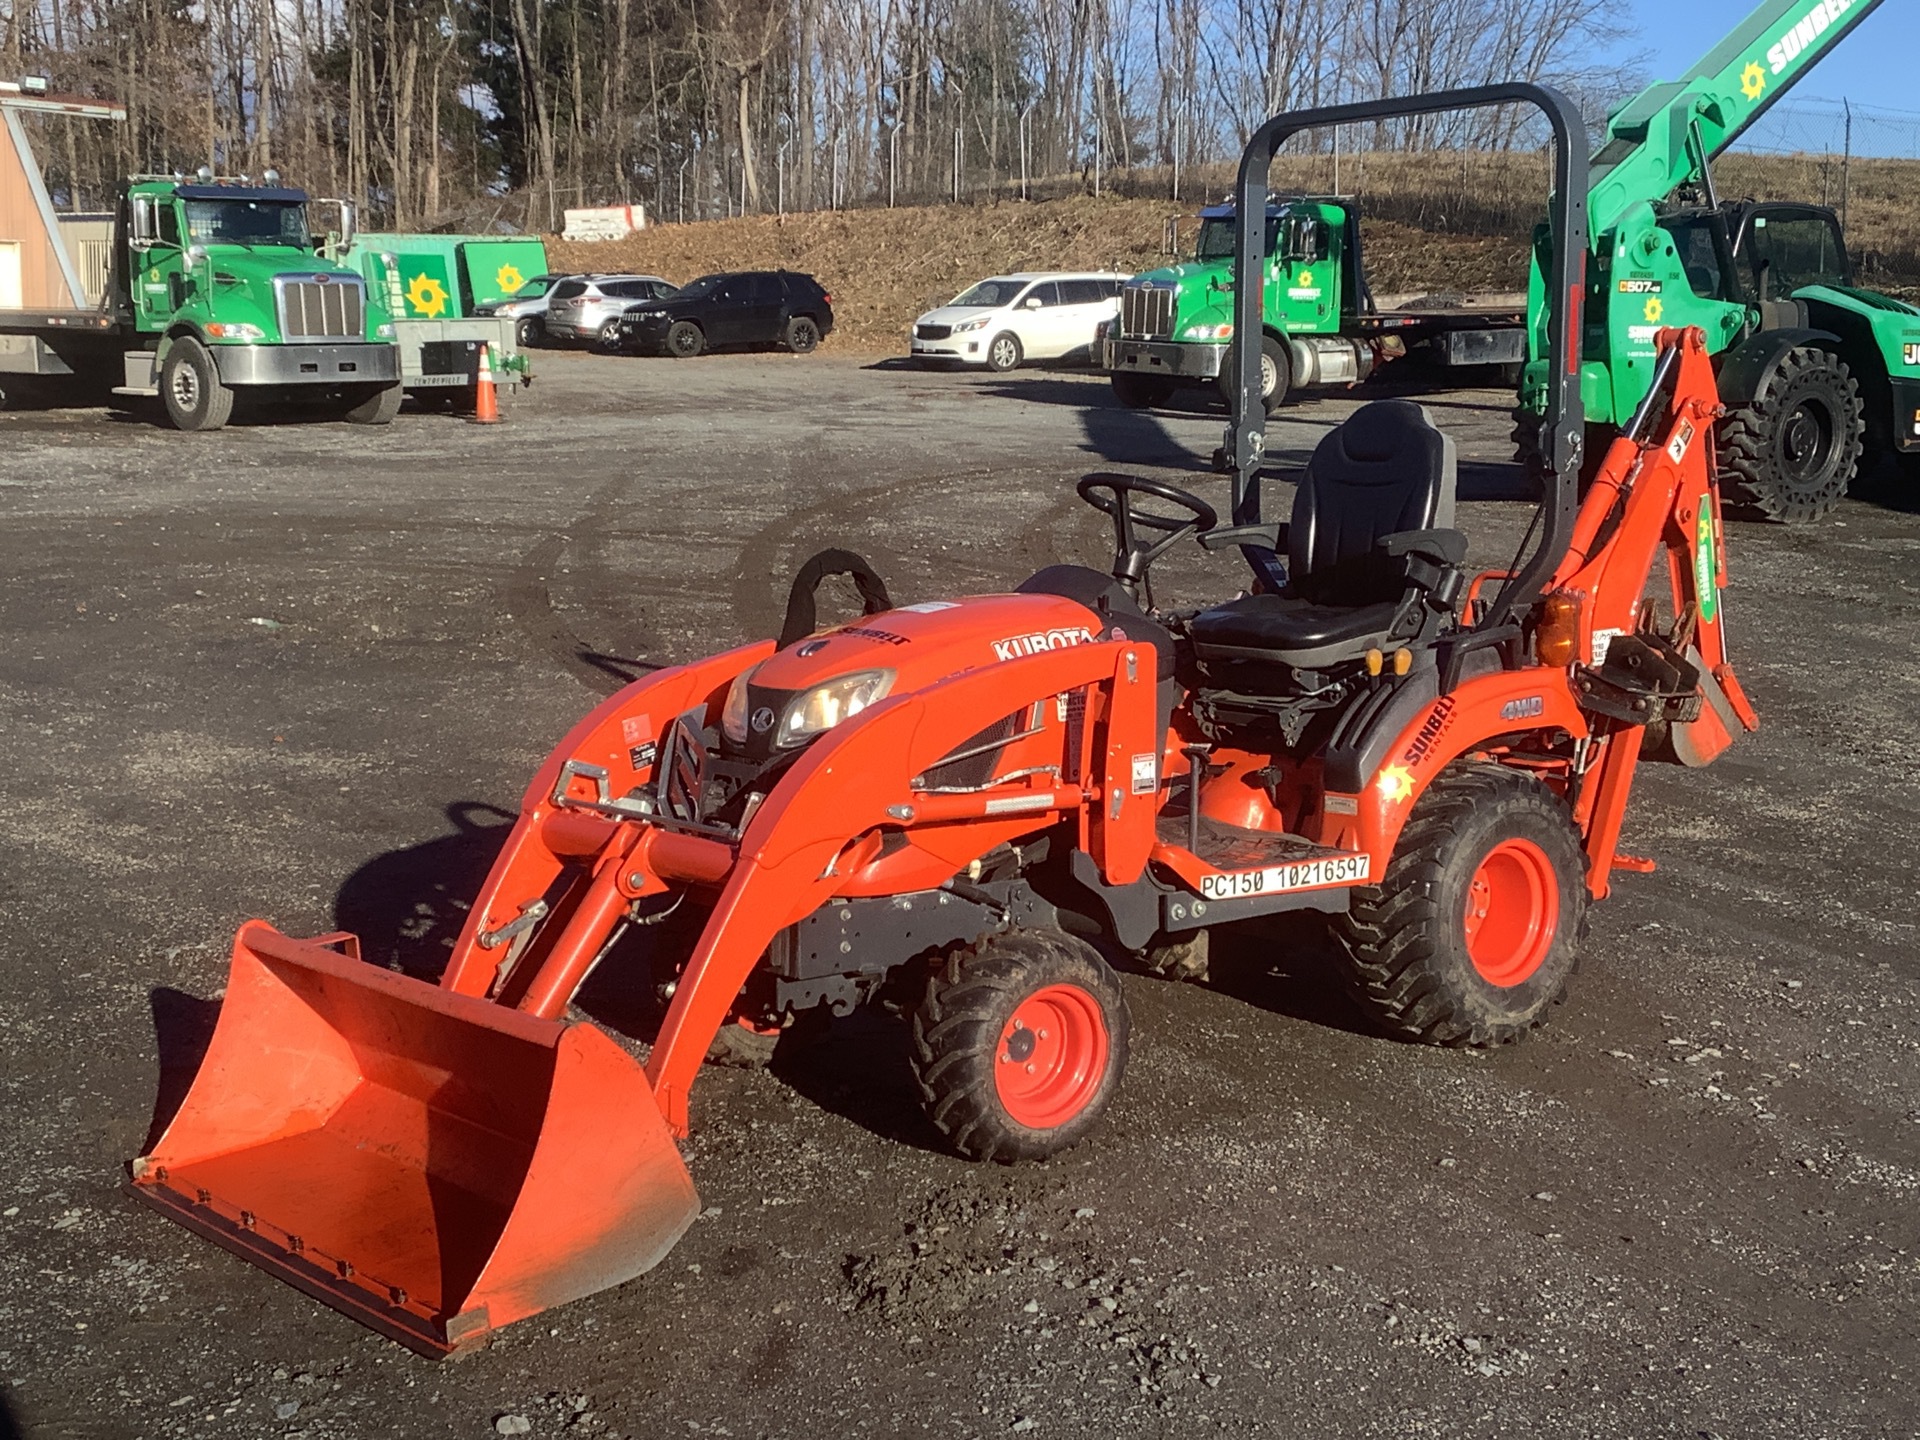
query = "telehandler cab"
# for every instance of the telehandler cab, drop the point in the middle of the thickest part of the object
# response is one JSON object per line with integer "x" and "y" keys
{"x": 958, "y": 793}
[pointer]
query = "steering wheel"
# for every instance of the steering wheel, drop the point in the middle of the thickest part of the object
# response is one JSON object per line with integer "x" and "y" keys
{"x": 1133, "y": 553}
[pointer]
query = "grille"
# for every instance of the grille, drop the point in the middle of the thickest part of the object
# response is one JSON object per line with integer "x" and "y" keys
{"x": 932, "y": 332}
{"x": 1146, "y": 312}
{"x": 316, "y": 309}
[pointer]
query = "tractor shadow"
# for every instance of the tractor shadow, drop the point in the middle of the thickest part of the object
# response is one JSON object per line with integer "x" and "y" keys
{"x": 857, "y": 1067}
{"x": 1287, "y": 964}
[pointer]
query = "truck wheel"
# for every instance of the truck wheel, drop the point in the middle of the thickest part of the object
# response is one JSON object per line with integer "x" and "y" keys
{"x": 685, "y": 340}
{"x": 191, "y": 390}
{"x": 1275, "y": 374}
{"x": 378, "y": 408}
{"x": 1004, "y": 352}
{"x": 1139, "y": 392}
{"x": 1019, "y": 1043}
{"x": 1471, "y": 933}
{"x": 1789, "y": 454}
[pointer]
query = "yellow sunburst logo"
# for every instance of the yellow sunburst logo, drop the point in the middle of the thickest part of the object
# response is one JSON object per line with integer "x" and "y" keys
{"x": 427, "y": 296}
{"x": 1753, "y": 82}
{"x": 1395, "y": 784}
{"x": 1655, "y": 310}
{"x": 509, "y": 280}
{"x": 1306, "y": 277}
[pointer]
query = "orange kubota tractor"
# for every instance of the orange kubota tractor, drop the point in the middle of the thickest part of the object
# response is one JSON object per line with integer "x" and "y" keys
{"x": 960, "y": 793}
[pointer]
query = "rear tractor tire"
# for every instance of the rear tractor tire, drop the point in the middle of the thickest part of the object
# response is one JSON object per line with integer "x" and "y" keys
{"x": 190, "y": 388}
{"x": 1789, "y": 454}
{"x": 1472, "y": 932}
{"x": 1019, "y": 1044}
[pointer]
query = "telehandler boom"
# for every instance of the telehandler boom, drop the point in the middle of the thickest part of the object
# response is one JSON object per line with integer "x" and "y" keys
{"x": 1816, "y": 373}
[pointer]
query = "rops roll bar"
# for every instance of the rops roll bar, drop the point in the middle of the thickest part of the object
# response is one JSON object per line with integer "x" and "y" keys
{"x": 1563, "y": 431}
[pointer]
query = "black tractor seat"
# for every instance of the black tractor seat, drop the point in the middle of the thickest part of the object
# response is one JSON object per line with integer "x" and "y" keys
{"x": 1373, "y": 560}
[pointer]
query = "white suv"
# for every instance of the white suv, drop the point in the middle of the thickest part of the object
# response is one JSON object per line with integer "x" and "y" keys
{"x": 589, "y": 307}
{"x": 1009, "y": 319}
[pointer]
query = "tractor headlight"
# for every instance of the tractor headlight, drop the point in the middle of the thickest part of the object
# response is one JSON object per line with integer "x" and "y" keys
{"x": 733, "y": 715}
{"x": 977, "y": 324}
{"x": 825, "y": 706}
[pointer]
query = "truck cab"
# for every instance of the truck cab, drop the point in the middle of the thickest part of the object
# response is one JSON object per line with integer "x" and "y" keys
{"x": 1322, "y": 328}
{"x": 225, "y": 288}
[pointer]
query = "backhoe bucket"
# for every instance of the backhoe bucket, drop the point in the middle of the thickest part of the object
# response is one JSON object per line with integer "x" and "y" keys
{"x": 432, "y": 1164}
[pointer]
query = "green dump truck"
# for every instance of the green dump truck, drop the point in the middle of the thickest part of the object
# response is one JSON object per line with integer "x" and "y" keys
{"x": 213, "y": 290}
{"x": 1324, "y": 329}
{"x": 435, "y": 286}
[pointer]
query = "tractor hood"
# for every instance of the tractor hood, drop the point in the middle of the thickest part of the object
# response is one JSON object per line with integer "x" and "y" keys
{"x": 804, "y": 690}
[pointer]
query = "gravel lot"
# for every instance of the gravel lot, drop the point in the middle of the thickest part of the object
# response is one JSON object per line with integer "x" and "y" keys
{"x": 303, "y": 672}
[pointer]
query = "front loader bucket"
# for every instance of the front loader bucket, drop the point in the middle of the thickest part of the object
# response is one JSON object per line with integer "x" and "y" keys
{"x": 432, "y": 1164}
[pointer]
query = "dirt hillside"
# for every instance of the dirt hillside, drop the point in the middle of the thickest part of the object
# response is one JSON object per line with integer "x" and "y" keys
{"x": 883, "y": 267}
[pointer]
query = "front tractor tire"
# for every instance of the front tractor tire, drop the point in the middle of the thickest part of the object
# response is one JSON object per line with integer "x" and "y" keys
{"x": 1472, "y": 932}
{"x": 1019, "y": 1044}
{"x": 190, "y": 388}
{"x": 1789, "y": 454}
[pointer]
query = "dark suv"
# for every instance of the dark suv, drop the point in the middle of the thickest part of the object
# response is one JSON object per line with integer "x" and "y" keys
{"x": 753, "y": 307}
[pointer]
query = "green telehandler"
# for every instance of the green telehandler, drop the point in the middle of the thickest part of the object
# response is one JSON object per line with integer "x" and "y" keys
{"x": 1819, "y": 376}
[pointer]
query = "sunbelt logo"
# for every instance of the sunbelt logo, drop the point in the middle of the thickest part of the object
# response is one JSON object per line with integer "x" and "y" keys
{"x": 1809, "y": 28}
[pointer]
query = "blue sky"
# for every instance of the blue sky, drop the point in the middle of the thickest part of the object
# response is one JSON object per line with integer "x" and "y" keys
{"x": 1874, "y": 66}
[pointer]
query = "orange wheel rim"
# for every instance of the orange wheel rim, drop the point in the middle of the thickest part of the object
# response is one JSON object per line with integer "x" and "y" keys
{"x": 1513, "y": 912}
{"x": 1051, "y": 1057}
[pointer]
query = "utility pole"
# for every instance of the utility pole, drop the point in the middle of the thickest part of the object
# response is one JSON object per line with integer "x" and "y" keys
{"x": 956, "y": 164}
{"x": 1026, "y": 113}
{"x": 893, "y": 163}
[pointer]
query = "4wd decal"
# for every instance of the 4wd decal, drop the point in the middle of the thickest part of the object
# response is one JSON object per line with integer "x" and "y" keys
{"x": 1014, "y": 646}
{"x": 1525, "y": 708}
{"x": 1275, "y": 879}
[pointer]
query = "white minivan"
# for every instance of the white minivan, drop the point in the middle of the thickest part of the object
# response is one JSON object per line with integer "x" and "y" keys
{"x": 1009, "y": 319}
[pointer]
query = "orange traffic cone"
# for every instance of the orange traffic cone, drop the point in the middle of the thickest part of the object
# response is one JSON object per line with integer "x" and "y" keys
{"x": 486, "y": 404}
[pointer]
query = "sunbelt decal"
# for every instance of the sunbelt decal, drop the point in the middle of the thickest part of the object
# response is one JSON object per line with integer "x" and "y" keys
{"x": 1810, "y": 27}
{"x": 1705, "y": 572}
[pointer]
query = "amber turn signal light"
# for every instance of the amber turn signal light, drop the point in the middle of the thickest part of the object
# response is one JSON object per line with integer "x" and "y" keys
{"x": 1556, "y": 639}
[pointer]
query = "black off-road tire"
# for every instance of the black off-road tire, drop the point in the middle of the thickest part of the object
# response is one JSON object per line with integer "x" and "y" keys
{"x": 379, "y": 408}
{"x": 1789, "y": 454}
{"x": 803, "y": 335}
{"x": 685, "y": 340}
{"x": 1004, "y": 352}
{"x": 964, "y": 1029}
{"x": 1180, "y": 957}
{"x": 1273, "y": 356}
{"x": 190, "y": 388}
{"x": 1139, "y": 392}
{"x": 1409, "y": 966}
{"x": 735, "y": 1047}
